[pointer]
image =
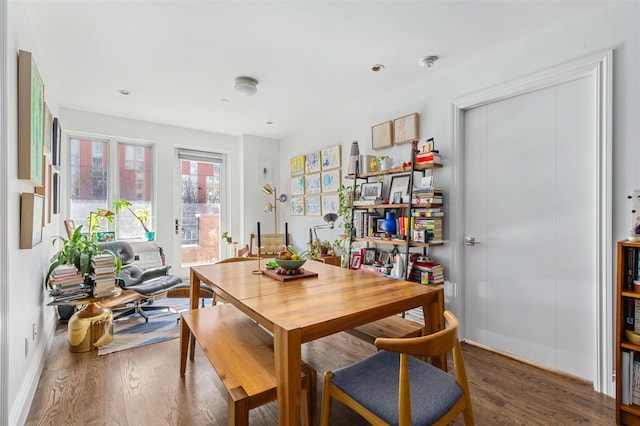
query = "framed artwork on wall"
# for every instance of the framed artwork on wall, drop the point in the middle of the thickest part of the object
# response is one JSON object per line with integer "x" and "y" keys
{"x": 312, "y": 162}
{"x": 30, "y": 119}
{"x": 331, "y": 157}
{"x": 330, "y": 204}
{"x": 297, "y": 206}
{"x": 331, "y": 181}
{"x": 312, "y": 184}
{"x": 56, "y": 143}
{"x": 382, "y": 135}
{"x": 31, "y": 210}
{"x": 56, "y": 193}
{"x": 312, "y": 205}
{"x": 297, "y": 185}
{"x": 296, "y": 165}
{"x": 405, "y": 129}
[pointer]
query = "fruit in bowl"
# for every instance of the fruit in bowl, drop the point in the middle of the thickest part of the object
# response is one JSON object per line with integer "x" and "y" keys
{"x": 289, "y": 264}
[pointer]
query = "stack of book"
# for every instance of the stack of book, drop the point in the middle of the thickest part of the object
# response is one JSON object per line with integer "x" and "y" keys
{"x": 427, "y": 196}
{"x": 67, "y": 284}
{"x": 432, "y": 227}
{"x": 427, "y": 273}
{"x": 104, "y": 275}
{"x": 427, "y": 157}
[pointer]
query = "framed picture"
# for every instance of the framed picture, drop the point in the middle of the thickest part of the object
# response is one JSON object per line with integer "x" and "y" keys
{"x": 399, "y": 184}
{"x": 371, "y": 190}
{"x": 331, "y": 158}
{"x": 70, "y": 226}
{"x": 30, "y": 120}
{"x": 296, "y": 165}
{"x": 105, "y": 236}
{"x": 397, "y": 197}
{"x": 419, "y": 236}
{"x": 312, "y": 162}
{"x": 369, "y": 255}
{"x": 405, "y": 129}
{"x": 384, "y": 257}
{"x": 382, "y": 135}
{"x": 312, "y": 184}
{"x": 330, "y": 204}
{"x": 56, "y": 143}
{"x": 331, "y": 181}
{"x": 312, "y": 205}
{"x": 31, "y": 210}
{"x": 355, "y": 261}
{"x": 297, "y": 185}
{"x": 379, "y": 223}
{"x": 297, "y": 206}
{"x": 56, "y": 193}
{"x": 48, "y": 128}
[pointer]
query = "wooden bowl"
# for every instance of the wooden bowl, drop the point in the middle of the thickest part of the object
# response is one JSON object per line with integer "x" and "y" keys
{"x": 632, "y": 337}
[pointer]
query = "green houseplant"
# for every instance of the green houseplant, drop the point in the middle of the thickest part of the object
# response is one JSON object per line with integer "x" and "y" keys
{"x": 141, "y": 215}
{"x": 78, "y": 250}
{"x": 345, "y": 213}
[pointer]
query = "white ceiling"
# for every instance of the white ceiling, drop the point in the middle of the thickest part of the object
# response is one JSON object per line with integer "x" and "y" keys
{"x": 312, "y": 58}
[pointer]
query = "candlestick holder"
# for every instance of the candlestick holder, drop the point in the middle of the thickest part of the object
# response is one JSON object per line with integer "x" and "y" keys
{"x": 259, "y": 270}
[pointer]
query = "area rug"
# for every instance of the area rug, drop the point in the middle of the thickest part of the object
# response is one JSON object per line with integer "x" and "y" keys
{"x": 132, "y": 331}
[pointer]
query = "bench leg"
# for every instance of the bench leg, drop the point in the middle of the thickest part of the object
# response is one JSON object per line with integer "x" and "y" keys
{"x": 238, "y": 406}
{"x": 185, "y": 337}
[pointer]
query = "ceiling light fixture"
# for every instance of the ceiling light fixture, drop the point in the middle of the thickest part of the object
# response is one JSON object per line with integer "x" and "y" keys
{"x": 124, "y": 92}
{"x": 427, "y": 61}
{"x": 246, "y": 85}
{"x": 377, "y": 67}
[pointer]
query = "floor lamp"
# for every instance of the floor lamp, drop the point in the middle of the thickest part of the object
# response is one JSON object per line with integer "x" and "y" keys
{"x": 273, "y": 207}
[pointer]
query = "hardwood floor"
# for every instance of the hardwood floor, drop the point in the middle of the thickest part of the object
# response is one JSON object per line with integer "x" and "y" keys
{"x": 142, "y": 386}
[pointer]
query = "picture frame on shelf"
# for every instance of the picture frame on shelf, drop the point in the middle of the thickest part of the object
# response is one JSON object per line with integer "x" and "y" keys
{"x": 371, "y": 190}
{"x": 399, "y": 184}
{"x": 369, "y": 255}
{"x": 379, "y": 222}
{"x": 70, "y": 226}
{"x": 30, "y": 120}
{"x": 384, "y": 257}
{"x": 419, "y": 236}
{"x": 405, "y": 129}
{"x": 397, "y": 197}
{"x": 382, "y": 135}
{"x": 331, "y": 158}
{"x": 355, "y": 261}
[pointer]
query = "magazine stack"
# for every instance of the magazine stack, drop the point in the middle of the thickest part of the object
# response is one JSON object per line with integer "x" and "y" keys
{"x": 104, "y": 275}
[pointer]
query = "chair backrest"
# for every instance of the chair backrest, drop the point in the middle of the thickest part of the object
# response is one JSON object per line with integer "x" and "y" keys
{"x": 122, "y": 249}
{"x": 433, "y": 345}
{"x": 272, "y": 244}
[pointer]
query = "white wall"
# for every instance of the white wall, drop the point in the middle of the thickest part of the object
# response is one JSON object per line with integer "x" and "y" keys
{"x": 616, "y": 27}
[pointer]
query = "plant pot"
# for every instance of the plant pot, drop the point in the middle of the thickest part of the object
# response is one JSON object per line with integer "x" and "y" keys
{"x": 151, "y": 235}
{"x": 634, "y": 237}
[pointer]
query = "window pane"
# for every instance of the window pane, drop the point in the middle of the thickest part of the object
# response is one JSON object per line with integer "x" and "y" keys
{"x": 136, "y": 187}
{"x": 88, "y": 167}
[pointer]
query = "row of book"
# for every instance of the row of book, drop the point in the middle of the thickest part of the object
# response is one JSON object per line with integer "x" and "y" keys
{"x": 427, "y": 157}
{"x": 428, "y": 195}
{"x": 631, "y": 267}
{"x": 630, "y": 375}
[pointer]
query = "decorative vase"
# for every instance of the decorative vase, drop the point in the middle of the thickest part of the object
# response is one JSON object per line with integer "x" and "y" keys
{"x": 634, "y": 237}
{"x": 151, "y": 235}
{"x": 389, "y": 224}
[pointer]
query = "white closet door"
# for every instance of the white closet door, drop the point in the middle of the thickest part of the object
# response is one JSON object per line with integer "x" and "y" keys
{"x": 530, "y": 203}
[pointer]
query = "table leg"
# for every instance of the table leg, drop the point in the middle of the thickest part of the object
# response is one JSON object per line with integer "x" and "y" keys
{"x": 90, "y": 328}
{"x": 194, "y": 295}
{"x": 288, "y": 353}
{"x": 433, "y": 314}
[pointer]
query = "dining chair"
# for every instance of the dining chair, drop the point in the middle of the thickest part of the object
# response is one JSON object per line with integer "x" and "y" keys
{"x": 394, "y": 387}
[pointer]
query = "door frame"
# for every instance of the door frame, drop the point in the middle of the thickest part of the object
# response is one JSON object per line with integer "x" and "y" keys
{"x": 599, "y": 65}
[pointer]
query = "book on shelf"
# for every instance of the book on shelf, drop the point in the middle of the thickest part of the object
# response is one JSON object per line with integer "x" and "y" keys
{"x": 425, "y": 157}
{"x": 629, "y": 313}
{"x": 631, "y": 267}
{"x": 625, "y": 397}
{"x": 635, "y": 378}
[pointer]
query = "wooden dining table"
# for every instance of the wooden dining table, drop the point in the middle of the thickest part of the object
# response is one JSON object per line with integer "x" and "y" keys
{"x": 301, "y": 310}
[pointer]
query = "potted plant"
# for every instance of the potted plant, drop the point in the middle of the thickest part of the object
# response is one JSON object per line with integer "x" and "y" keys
{"x": 635, "y": 223}
{"x": 345, "y": 213}
{"x": 226, "y": 237}
{"x": 78, "y": 250}
{"x": 141, "y": 215}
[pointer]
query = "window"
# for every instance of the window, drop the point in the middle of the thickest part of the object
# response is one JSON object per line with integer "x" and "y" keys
{"x": 90, "y": 183}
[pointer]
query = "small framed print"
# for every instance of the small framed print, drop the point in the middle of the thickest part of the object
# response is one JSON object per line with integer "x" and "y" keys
{"x": 397, "y": 197}
{"x": 331, "y": 158}
{"x": 384, "y": 257}
{"x": 356, "y": 260}
{"x": 297, "y": 206}
{"x": 368, "y": 256}
{"x": 297, "y": 185}
{"x": 379, "y": 223}
{"x": 312, "y": 162}
{"x": 399, "y": 184}
{"x": 70, "y": 227}
{"x": 382, "y": 135}
{"x": 312, "y": 184}
{"x": 371, "y": 190}
{"x": 312, "y": 205}
{"x": 405, "y": 129}
{"x": 419, "y": 236}
{"x": 296, "y": 165}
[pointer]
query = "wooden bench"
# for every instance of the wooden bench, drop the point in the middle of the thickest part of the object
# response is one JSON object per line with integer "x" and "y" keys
{"x": 393, "y": 326}
{"x": 241, "y": 352}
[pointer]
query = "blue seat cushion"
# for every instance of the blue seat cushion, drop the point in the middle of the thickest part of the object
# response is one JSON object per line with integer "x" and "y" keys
{"x": 373, "y": 382}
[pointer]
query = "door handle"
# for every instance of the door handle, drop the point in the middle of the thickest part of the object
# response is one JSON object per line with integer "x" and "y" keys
{"x": 470, "y": 241}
